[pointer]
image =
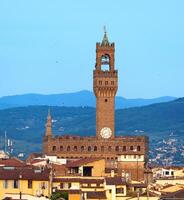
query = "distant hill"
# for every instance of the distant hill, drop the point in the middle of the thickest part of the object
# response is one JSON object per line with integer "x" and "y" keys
{"x": 28, "y": 123}
{"x": 76, "y": 99}
{"x": 161, "y": 122}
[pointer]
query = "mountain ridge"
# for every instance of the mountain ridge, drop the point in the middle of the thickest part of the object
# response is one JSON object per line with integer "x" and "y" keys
{"x": 161, "y": 122}
{"x": 76, "y": 99}
{"x": 160, "y": 117}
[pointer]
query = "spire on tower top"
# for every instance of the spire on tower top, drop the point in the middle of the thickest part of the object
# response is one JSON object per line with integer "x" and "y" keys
{"x": 49, "y": 115}
{"x": 48, "y": 124}
{"x": 105, "y": 40}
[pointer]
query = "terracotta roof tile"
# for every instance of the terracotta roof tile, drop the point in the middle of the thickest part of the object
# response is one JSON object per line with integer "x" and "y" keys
{"x": 12, "y": 162}
{"x": 99, "y": 181}
{"x": 71, "y": 191}
{"x": 81, "y": 162}
{"x": 137, "y": 185}
{"x": 108, "y": 170}
{"x": 35, "y": 161}
{"x": 174, "y": 195}
{"x": 80, "y": 180}
{"x": 24, "y": 174}
{"x": 96, "y": 195}
{"x": 117, "y": 180}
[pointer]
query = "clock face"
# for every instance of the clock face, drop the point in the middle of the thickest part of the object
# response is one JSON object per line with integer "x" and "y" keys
{"x": 106, "y": 132}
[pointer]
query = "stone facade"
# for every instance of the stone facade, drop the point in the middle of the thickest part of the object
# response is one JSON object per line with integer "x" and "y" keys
{"x": 105, "y": 144}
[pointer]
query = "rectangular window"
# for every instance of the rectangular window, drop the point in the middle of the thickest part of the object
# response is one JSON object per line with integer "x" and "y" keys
{"x": 30, "y": 184}
{"x": 15, "y": 184}
{"x": 167, "y": 173}
{"x": 54, "y": 148}
{"x": 119, "y": 190}
{"x": 5, "y": 184}
{"x": 98, "y": 185}
{"x": 87, "y": 171}
{"x": 100, "y": 82}
{"x": 43, "y": 185}
{"x": 61, "y": 185}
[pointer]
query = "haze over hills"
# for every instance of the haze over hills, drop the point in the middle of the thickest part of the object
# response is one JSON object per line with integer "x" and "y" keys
{"x": 76, "y": 99}
{"x": 26, "y": 125}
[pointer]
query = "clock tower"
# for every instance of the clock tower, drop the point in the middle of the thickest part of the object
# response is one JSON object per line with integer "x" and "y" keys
{"x": 105, "y": 84}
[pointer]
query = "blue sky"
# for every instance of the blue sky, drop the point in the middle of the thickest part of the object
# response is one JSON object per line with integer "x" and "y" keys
{"x": 49, "y": 46}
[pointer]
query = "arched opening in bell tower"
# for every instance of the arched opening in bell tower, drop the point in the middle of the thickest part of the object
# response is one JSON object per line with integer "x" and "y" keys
{"x": 105, "y": 62}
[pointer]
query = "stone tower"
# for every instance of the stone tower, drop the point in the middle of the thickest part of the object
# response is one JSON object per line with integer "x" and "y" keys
{"x": 105, "y": 84}
{"x": 48, "y": 125}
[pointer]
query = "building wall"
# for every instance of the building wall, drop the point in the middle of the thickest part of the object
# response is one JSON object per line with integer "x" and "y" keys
{"x": 108, "y": 149}
{"x": 134, "y": 169}
{"x": 131, "y": 158}
{"x": 23, "y": 187}
{"x": 74, "y": 197}
{"x": 110, "y": 195}
{"x": 170, "y": 181}
{"x": 113, "y": 195}
{"x": 71, "y": 147}
{"x": 98, "y": 167}
{"x": 179, "y": 173}
{"x": 104, "y": 105}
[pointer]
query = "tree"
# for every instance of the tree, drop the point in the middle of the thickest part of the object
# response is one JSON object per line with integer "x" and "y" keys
{"x": 59, "y": 196}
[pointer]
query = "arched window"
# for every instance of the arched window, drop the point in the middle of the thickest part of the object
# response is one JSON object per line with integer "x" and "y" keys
{"x": 89, "y": 148}
{"x": 117, "y": 148}
{"x": 68, "y": 148}
{"x": 109, "y": 148}
{"x": 102, "y": 148}
{"x": 131, "y": 148}
{"x": 54, "y": 148}
{"x": 75, "y": 148}
{"x": 61, "y": 148}
{"x": 95, "y": 148}
{"x": 138, "y": 148}
{"x": 82, "y": 148}
{"x": 124, "y": 148}
{"x": 105, "y": 62}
